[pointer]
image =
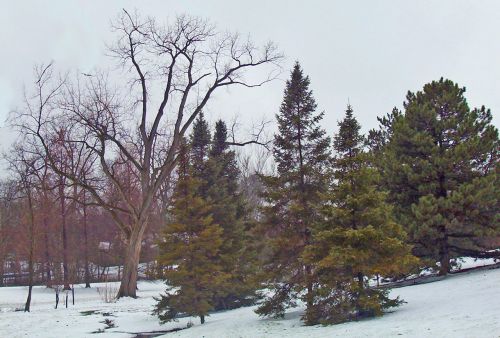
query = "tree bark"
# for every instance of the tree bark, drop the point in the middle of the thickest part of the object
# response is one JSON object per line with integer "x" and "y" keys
{"x": 444, "y": 250}
{"x": 46, "y": 252}
{"x": 361, "y": 283}
{"x": 2, "y": 262}
{"x": 31, "y": 253}
{"x": 309, "y": 297}
{"x": 128, "y": 285}
{"x": 305, "y": 228}
{"x": 361, "y": 286}
{"x": 28, "y": 301}
{"x": 444, "y": 259}
{"x": 64, "y": 236}
{"x": 86, "y": 239}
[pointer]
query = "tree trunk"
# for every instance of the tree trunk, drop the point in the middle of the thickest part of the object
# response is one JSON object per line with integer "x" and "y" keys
{"x": 361, "y": 282}
{"x": 305, "y": 227}
{"x": 2, "y": 253}
{"x": 2, "y": 266}
{"x": 361, "y": 286}
{"x": 64, "y": 237}
{"x": 46, "y": 231}
{"x": 309, "y": 296}
{"x": 1, "y": 269}
{"x": 445, "y": 265}
{"x": 444, "y": 252}
{"x": 128, "y": 285}
{"x": 202, "y": 319}
{"x": 31, "y": 254}
{"x": 444, "y": 259}
{"x": 46, "y": 251}
{"x": 28, "y": 301}
{"x": 86, "y": 239}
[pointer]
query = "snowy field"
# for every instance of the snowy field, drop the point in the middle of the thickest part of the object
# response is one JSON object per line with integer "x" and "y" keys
{"x": 464, "y": 305}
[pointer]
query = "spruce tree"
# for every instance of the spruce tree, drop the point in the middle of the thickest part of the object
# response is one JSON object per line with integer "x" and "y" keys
{"x": 200, "y": 148}
{"x": 438, "y": 150}
{"x": 357, "y": 238}
{"x": 230, "y": 212}
{"x": 301, "y": 150}
{"x": 190, "y": 247}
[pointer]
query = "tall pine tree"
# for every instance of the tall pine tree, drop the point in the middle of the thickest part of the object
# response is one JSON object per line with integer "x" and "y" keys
{"x": 357, "y": 237}
{"x": 439, "y": 150}
{"x": 301, "y": 150}
{"x": 229, "y": 211}
{"x": 190, "y": 247}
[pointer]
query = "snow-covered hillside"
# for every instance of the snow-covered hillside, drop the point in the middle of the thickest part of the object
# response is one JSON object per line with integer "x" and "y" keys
{"x": 465, "y": 305}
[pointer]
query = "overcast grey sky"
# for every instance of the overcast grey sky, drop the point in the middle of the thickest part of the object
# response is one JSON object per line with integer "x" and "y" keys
{"x": 370, "y": 52}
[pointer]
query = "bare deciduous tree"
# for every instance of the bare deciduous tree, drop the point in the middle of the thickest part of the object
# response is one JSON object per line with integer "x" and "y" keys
{"x": 25, "y": 165}
{"x": 7, "y": 207}
{"x": 173, "y": 71}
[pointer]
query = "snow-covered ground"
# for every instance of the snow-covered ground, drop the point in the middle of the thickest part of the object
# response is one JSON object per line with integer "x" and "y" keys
{"x": 469, "y": 262}
{"x": 464, "y": 305}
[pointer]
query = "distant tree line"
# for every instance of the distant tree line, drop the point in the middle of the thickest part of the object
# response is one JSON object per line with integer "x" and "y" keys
{"x": 72, "y": 242}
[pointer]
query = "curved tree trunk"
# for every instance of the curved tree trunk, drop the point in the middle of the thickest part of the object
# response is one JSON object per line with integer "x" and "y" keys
{"x": 128, "y": 285}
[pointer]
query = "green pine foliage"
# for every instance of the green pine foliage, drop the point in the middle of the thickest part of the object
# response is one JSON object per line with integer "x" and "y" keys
{"x": 425, "y": 183}
{"x": 292, "y": 196}
{"x": 469, "y": 215}
{"x": 438, "y": 147}
{"x": 377, "y": 139}
{"x": 228, "y": 209}
{"x": 200, "y": 148}
{"x": 357, "y": 238}
{"x": 190, "y": 248}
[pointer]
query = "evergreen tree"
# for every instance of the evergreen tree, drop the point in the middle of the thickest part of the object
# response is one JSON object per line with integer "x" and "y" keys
{"x": 356, "y": 239}
{"x": 468, "y": 215}
{"x": 190, "y": 247}
{"x": 436, "y": 148}
{"x": 219, "y": 142}
{"x": 301, "y": 150}
{"x": 377, "y": 139}
{"x": 229, "y": 211}
{"x": 348, "y": 144}
{"x": 200, "y": 148}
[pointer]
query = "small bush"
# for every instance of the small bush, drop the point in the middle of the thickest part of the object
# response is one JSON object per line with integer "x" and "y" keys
{"x": 108, "y": 292}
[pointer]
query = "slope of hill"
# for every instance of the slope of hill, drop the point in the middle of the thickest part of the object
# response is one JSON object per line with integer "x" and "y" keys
{"x": 464, "y": 305}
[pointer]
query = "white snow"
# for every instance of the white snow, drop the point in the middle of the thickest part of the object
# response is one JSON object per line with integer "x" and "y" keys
{"x": 464, "y": 305}
{"x": 469, "y": 262}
